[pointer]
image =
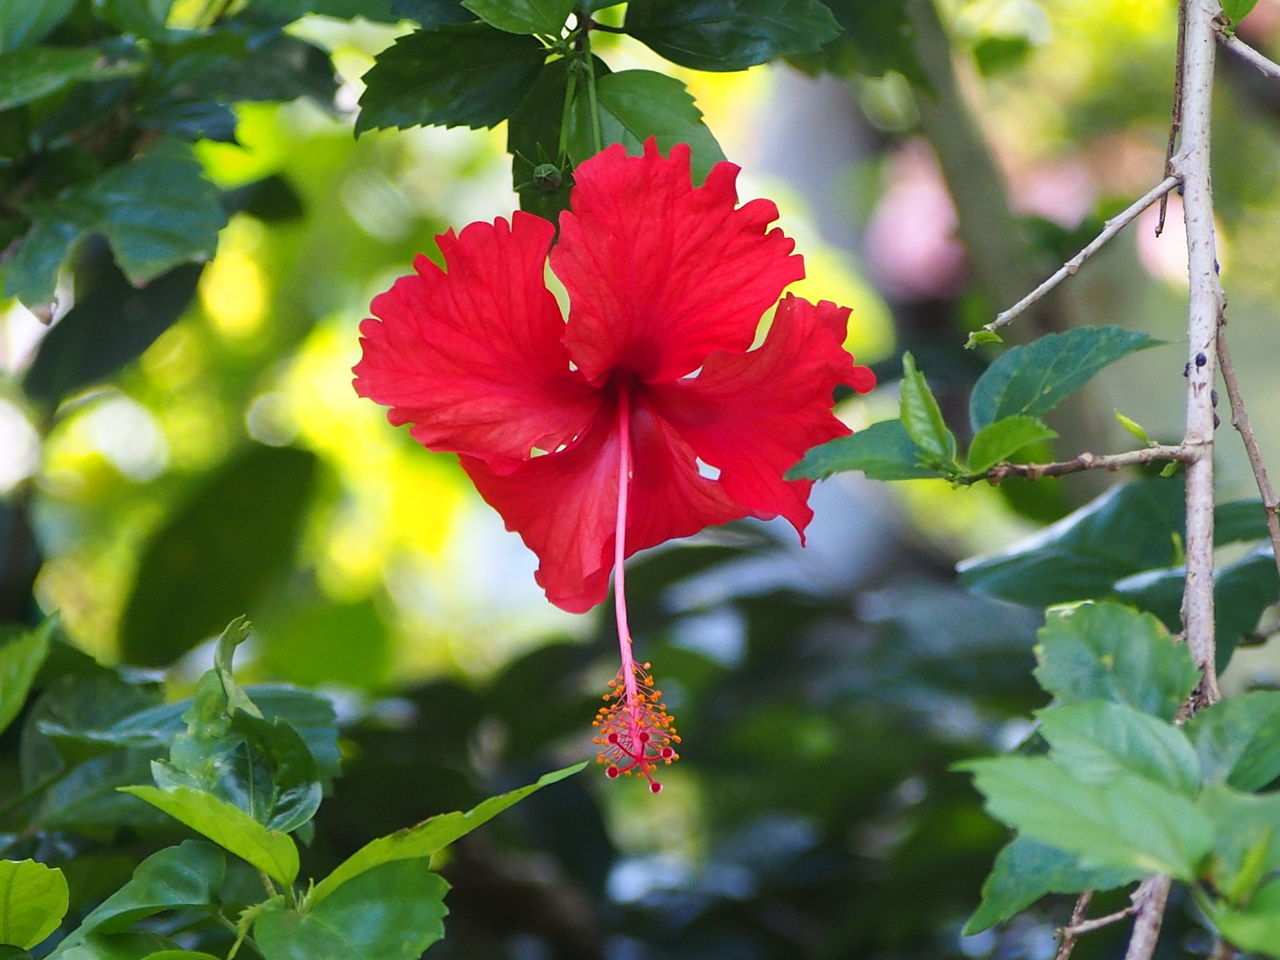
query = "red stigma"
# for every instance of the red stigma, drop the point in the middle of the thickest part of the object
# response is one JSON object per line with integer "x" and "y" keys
{"x": 636, "y": 731}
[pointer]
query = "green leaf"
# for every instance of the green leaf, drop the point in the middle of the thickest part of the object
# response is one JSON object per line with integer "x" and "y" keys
{"x": 393, "y": 911}
{"x": 430, "y": 836}
{"x": 533, "y": 139}
{"x": 1106, "y": 651}
{"x": 979, "y": 337}
{"x": 466, "y": 75}
{"x": 1238, "y": 739}
{"x": 883, "y": 451}
{"x": 33, "y": 901}
{"x": 729, "y": 34}
{"x": 197, "y": 572}
{"x": 999, "y": 441}
{"x": 23, "y": 24}
{"x": 114, "y": 946}
{"x": 32, "y": 273}
{"x": 546, "y": 17}
{"x": 180, "y": 955}
{"x": 432, "y": 13}
{"x": 30, "y": 74}
{"x": 1098, "y": 740}
{"x": 176, "y": 878}
{"x": 1133, "y": 427}
{"x": 878, "y": 38}
{"x": 1026, "y": 870}
{"x": 1033, "y": 379}
{"x": 1246, "y": 845}
{"x": 1125, "y": 531}
{"x": 636, "y": 105}
{"x": 1238, "y": 521}
{"x": 228, "y": 826}
{"x": 923, "y": 420}
{"x": 20, "y": 661}
{"x": 1255, "y": 927}
{"x": 1128, "y": 822}
{"x": 1237, "y": 10}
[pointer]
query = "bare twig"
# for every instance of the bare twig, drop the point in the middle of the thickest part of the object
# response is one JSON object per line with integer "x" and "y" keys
{"x": 1072, "y": 930}
{"x": 1175, "y": 122}
{"x": 1222, "y": 950}
{"x": 1090, "y": 461}
{"x": 1248, "y": 54}
{"x": 1148, "y": 904}
{"x": 1240, "y": 420}
{"x": 1068, "y": 269}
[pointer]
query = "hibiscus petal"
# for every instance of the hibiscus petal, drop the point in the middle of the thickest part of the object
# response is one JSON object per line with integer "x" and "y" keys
{"x": 754, "y": 415}
{"x": 475, "y": 357}
{"x": 564, "y": 504}
{"x": 660, "y": 273}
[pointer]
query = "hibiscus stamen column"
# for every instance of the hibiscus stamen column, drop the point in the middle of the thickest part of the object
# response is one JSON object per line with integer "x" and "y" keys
{"x": 635, "y": 729}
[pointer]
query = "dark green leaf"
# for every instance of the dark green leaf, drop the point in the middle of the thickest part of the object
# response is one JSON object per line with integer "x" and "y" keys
{"x": 27, "y": 75}
{"x": 190, "y": 119}
{"x": 533, "y": 140}
{"x": 432, "y": 13}
{"x": 1026, "y": 870}
{"x": 922, "y": 418}
{"x": 1105, "y": 651}
{"x": 32, "y": 273}
{"x": 113, "y": 946}
{"x": 467, "y": 75}
{"x": 1238, "y": 521}
{"x": 288, "y": 10}
{"x": 729, "y": 34}
{"x": 1125, "y": 531}
{"x": 1033, "y": 379}
{"x": 1099, "y": 739}
{"x": 33, "y": 901}
{"x": 1255, "y": 927}
{"x": 1000, "y": 440}
{"x": 196, "y": 571}
{"x": 20, "y": 660}
{"x": 636, "y": 105}
{"x": 272, "y": 199}
{"x": 883, "y": 451}
{"x": 545, "y": 17}
{"x": 390, "y": 912}
{"x": 26, "y": 23}
{"x": 1237, "y": 10}
{"x": 877, "y": 37}
{"x": 143, "y": 18}
{"x": 1238, "y": 739}
{"x": 1128, "y": 822}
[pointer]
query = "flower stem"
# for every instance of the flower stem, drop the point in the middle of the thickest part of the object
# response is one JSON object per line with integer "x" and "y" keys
{"x": 565, "y": 114}
{"x": 597, "y": 138}
{"x": 620, "y": 545}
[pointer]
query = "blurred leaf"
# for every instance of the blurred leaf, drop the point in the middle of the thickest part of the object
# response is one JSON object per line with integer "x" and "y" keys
{"x": 271, "y": 851}
{"x": 1238, "y": 739}
{"x": 180, "y": 955}
{"x": 191, "y": 119}
{"x": 211, "y": 67}
{"x": 636, "y": 105}
{"x": 1026, "y": 870}
{"x": 32, "y": 272}
{"x": 876, "y": 37}
{"x": 393, "y": 911}
{"x": 328, "y": 642}
{"x": 1238, "y": 521}
{"x": 432, "y": 13}
{"x": 1256, "y": 926}
{"x": 729, "y": 34}
{"x": 29, "y": 22}
{"x": 33, "y": 901}
{"x": 883, "y": 451}
{"x": 1097, "y": 740}
{"x": 288, "y": 10}
{"x": 272, "y": 199}
{"x": 1125, "y": 531}
{"x": 20, "y": 660}
{"x": 143, "y": 18}
{"x": 1106, "y": 651}
{"x": 116, "y": 946}
{"x": 1035, "y": 378}
{"x": 1237, "y": 10}
{"x": 186, "y": 876}
{"x": 922, "y": 419}
{"x": 523, "y": 16}
{"x": 979, "y": 337}
{"x": 27, "y": 75}
{"x": 429, "y": 836}
{"x": 466, "y": 75}
{"x": 1127, "y": 822}
{"x": 1247, "y": 840}
{"x": 998, "y": 441}
{"x": 217, "y": 553}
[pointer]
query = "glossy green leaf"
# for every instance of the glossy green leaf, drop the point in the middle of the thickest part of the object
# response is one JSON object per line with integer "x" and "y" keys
{"x": 466, "y": 75}
{"x": 196, "y": 571}
{"x": 1128, "y": 822}
{"x": 545, "y": 17}
{"x": 1238, "y": 739}
{"x": 1254, "y": 927}
{"x": 1125, "y": 531}
{"x": 922, "y": 418}
{"x": 999, "y": 441}
{"x": 1026, "y": 870}
{"x": 1033, "y": 379}
{"x": 729, "y": 34}
{"x": 392, "y": 911}
{"x": 636, "y": 105}
{"x": 1106, "y": 651}
{"x": 271, "y": 851}
{"x": 20, "y": 661}
{"x": 883, "y": 451}
{"x": 33, "y": 901}
{"x": 1098, "y": 740}
{"x": 430, "y": 836}
{"x": 29, "y": 74}
{"x": 1237, "y": 10}
{"x": 29, "y": 22}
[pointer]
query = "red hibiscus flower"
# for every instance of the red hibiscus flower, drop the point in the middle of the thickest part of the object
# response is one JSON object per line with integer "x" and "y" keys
{"x": 592, "y": 436}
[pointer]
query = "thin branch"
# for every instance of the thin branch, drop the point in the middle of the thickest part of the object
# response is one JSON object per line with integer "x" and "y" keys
{"x": 1247, "y": 53}
{"x": 1098, "y": 923}
{"x": 1148, "y": 903}
{"x": 1072, "y": 929}
{"x": 1240, "y": 420}
{"x": 1175, "y": 121}
{"x": 1181, "y": 452}
{"x": 1072, "y": 266}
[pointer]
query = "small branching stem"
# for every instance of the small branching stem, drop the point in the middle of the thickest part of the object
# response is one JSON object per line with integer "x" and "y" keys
{"x": 1246, "y": 53}
{"x": 1148, "y": 908}
{"x": 1183, "y": 453}
{"x": 1069, "y": 933}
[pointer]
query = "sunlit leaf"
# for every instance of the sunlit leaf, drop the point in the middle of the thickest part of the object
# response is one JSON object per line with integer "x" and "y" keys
{"x": 922, "y": 418}
{"x": 20, "y": 660}
{"x": 1254, "y": 927}
{"x": 33, "y": 901}
{"x": 523, "y": 16}
{"x": 1000, "y": 440}
{"x": 883, "y": 451}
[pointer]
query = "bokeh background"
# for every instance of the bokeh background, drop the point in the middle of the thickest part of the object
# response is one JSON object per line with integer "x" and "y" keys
{"x": 823, "y": 693}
